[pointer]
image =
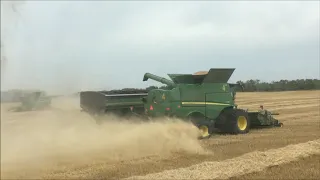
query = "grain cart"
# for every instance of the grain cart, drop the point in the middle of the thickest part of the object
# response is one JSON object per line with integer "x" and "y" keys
{"x": 207, "y": 100}
{"x": 125, "y": 103}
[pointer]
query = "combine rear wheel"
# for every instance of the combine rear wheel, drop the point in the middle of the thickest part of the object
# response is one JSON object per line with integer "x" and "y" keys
{"x": 279, "y": 125}
{"x": 198, "y": 120}
{"x": 204, "y": 132}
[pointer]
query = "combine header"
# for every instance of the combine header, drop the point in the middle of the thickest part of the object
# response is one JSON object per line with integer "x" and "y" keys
{"x": 207, "y": 100}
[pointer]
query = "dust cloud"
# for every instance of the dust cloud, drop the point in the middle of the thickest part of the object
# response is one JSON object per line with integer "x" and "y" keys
{"x": 25, "y": 55}
{"x": 9, "y": 20}
{"x": 36, "y": 143}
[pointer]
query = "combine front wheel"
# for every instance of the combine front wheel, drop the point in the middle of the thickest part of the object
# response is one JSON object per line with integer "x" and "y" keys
{"x": 242, "y": 123}
{"x": 236, "y": 121}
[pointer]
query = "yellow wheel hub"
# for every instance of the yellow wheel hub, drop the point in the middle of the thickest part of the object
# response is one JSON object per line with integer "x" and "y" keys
{"x": 242, "y": 123}
{"x": 204, "y": 131}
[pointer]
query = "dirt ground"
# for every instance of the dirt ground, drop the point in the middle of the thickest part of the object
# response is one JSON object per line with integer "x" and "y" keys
{"x": 63, "y": 142}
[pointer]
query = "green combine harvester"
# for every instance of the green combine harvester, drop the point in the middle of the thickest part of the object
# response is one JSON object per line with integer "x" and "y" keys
{"x": 206, "y": 100}
{"x": 36, "y": 100}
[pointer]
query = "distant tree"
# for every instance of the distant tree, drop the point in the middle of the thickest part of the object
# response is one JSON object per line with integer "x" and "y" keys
{"x": 151, "y": 87}
{"x": 282, "y": 85}
{"x": 253, "y": 85}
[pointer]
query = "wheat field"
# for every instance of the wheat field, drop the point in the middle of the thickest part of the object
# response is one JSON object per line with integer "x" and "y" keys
{"x": 62, "y": 142}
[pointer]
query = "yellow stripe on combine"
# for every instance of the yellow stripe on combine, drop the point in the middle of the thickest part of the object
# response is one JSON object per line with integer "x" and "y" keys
{"x": 204, "y": 103}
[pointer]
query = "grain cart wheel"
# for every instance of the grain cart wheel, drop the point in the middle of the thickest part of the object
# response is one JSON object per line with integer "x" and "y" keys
{"x": 237, "y": 121}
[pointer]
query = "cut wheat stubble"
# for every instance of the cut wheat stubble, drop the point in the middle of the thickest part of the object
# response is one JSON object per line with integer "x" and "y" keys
{"x": 247, "y": 163}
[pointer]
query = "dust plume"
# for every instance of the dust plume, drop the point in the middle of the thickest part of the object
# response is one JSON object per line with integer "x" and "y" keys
{"x": 10, "y": 18}
{"x": 61, "y": 139}
{"x": 31, "y": 43}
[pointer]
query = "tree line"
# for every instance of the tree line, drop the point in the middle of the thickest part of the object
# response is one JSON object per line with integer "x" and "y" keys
{"x": 282, "y": 85}
{"x": 255, "y": 85}
{"x": 248, "y": 86}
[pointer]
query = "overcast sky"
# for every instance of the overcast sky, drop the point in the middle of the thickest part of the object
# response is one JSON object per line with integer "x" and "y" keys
{"x": 69, "y": 46}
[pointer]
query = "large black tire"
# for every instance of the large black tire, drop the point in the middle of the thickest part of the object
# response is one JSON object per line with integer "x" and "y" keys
{"x": 234, "y": 121}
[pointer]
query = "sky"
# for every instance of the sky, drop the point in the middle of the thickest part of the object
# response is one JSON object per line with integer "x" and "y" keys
{"x": 61, "y": 46}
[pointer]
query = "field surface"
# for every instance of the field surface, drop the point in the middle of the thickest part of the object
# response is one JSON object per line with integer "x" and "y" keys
{"x": 62, "y": 142}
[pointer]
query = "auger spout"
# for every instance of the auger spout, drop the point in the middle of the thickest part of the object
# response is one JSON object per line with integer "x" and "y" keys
{"x": 159, "y": 79}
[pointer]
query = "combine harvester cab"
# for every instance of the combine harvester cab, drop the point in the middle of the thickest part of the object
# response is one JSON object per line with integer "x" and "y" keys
{"x": 207, "y": 100}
